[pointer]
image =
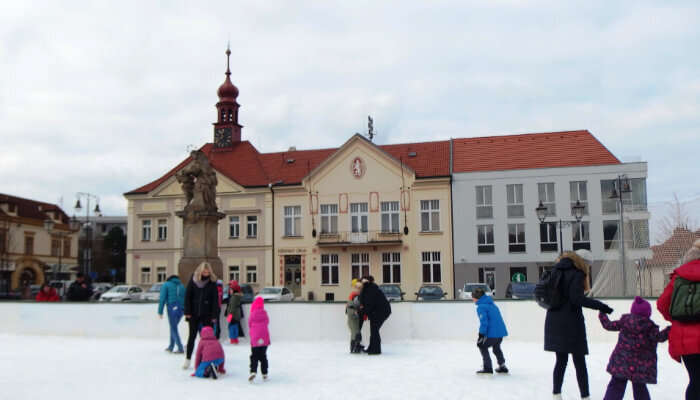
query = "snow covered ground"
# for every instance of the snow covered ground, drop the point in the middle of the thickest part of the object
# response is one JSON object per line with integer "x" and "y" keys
{"x": 58, "y": 368}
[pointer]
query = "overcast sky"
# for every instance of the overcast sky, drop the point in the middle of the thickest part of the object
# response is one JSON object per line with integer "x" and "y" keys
{"x": 104, "y": 98}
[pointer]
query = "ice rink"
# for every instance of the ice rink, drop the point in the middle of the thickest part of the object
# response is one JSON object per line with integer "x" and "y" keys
{"x": 63, "y": 368}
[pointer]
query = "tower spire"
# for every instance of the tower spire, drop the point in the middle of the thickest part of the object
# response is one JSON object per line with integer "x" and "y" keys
{"x": 228, "y": 56}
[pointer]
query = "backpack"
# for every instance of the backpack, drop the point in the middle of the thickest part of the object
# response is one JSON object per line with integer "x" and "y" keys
{"x": 685, "y": 300}
{"x": 548, "y": 293}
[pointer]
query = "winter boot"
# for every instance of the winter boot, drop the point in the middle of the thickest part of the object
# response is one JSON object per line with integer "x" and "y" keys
{"x": 251, "y": 378}
{"x": 264, "y": 377}
{"x": 502, "y": 369}
{"x": 168, "y": 350}
{"x": 179, "y": 352}
{"x": 234, "y": 341}
{"x": 485, "y": 371}
{"x": 557, "y": 396}
{"x": 210, "y": 372}
{"x": 186, "y": 365}
{"x": 353, "y": 346}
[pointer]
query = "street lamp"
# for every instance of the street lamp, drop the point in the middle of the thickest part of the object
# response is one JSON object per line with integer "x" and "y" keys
{"x": 621, "y": 186}
{"x": 73, "y": 226}
{"x": 577, "y": 209}
{"x": 87, "y": 255}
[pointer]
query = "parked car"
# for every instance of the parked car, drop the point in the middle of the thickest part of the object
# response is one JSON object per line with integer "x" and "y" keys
{"x": 276, "y": 294}
{"x": 247, "y": 292}
{"x": 153, "y": 293}
{"x": 122, "y": 293}
{"x": 35, "y": 290}
{"x": 521, "y": 290}
{"x": 430, "y": 293}
{"x": 99, "y": 289}
{"x": 466, "y": 292}
{"x": 392, "y": 292}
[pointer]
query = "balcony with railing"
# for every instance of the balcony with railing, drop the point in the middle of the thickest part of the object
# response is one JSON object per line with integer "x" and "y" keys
{"x": 370, "y": 238}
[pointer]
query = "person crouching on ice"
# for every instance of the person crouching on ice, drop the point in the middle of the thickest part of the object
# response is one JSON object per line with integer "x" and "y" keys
{"x": 209, "y": 361}
{"x": 492, "y": 330}
{"x": 259, "y": 337}
{"x": 634, "y": 357}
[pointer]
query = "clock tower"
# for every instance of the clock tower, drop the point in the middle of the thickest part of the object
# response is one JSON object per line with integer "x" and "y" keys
{"x": 227, "y": 130}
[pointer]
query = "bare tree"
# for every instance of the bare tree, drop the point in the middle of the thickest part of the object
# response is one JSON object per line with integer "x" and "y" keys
{"x": 676, "y": 216}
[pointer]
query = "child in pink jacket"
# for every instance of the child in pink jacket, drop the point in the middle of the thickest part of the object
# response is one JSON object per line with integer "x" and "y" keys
{"x": 259, "y": 337}
{"x": 209, "y": 361}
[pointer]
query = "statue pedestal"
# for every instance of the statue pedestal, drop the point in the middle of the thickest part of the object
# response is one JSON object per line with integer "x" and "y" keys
{"x": 201, "y": 243}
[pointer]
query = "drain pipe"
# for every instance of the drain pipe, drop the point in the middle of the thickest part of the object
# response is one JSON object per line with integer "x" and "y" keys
{"x": 452, "y": 217}
{"x": 272, "y": 192}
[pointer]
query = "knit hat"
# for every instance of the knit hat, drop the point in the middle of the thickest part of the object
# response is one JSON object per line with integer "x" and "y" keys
{"x": 354, "y": 282}
{"x": 641, "y": 307}
{"x": 258, "y": 304}
{"x": 477, "y": 293}
{"x": 234, "y": 286}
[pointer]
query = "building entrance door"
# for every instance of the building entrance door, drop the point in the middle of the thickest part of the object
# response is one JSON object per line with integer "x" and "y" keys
{"x": 292, "y": 274}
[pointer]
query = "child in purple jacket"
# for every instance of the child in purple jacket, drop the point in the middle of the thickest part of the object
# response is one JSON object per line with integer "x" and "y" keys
{"x": 634, "y": 357}
{"x": 209, "y": 361}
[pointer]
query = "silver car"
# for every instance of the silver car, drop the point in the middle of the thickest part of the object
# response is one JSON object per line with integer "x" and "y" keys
{"x": 122, "y": 293}
{"x": 153, "y": 293}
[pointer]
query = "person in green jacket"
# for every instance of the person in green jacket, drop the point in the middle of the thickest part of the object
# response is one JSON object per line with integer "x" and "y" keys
{"x": 234, "y": 311}
{"x": 172, "y": 295}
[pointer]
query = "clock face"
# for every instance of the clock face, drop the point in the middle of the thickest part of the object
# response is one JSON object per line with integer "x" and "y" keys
{"x": 222, "y": 137}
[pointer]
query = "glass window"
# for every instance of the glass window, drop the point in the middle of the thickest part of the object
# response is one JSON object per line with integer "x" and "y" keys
{"x": 292, "y": 221}
{"x": 66, "y": 247}
{"x": 55, "y": 246}
{"x": 391, "y": 267}
{"x": 484, "y": 234}
{"x": 29, "y": 245}
{"x": 329, "y": 218}
{"x": 234, "y": 273}
{"x": 252, "y": 274}
{"x": 358, "y": 217}
{"x": 359, "y": 265}
{"x": 635, "y": 200}
{"x": 484, "y": 202}
{"x": 234, "y": 227}
{"x": 516, "y": 238}
{"x": 514, "y": 197}
{"x": 430, "y": 215}
{"x": 390, "y": 216}
{"x": 146, "y": 275}
{"x": 146, "y": 230}
{"x": 581, "y": 235}
{"x": 545, "y": 193}
{"x": 161, "y": 271}
{"x": 640, "y": 234}
{"x": 548, "y": 236}
{"x": 610, "y": 230}
{"x": 329, "y": 269}
{"x": 252, "y": 221}
{"x": 431, "y": 267}
{"x": 579, "y": 192}
{"x": 162, "y": 229}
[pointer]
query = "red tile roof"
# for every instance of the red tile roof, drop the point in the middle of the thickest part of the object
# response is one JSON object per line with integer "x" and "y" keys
{"x": 534, "y": 150}
{"x": 249, "y": 168}
{"x": 33, "y": 209}
{"x": 669, "y": 253}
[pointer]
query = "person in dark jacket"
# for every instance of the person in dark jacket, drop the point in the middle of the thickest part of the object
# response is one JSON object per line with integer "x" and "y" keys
{"x": 234, "y": 311}
{"x": 172, "y": 295}
{"x": 377, "y": 308}
{"x": 201, "y": 304}
{"x": 80, "y": 290}
{"x": 634, "y": 357}
{"x": 564, "y": 327}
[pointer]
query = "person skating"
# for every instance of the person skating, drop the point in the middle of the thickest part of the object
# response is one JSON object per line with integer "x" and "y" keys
{"x": 565, "y": 327}
{"x": 634, "y": 357}
{"x": 80, "y": 290}
{"x": 258, "y": 322}
{"x": 352, "y": 310}
{"x": 47, "y": 294}
{"x": 234, "y": 311}
{"x": 684, "y": 338}
{"x": 375, "y": 305}
{"x": 210, "y": 358}
{"x": 201, "y": 304}
{"x": 492, "y": 330}
{"x": 172, "y": 298}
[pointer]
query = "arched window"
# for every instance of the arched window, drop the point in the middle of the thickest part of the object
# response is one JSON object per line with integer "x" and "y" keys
{"x": 223, "y": 115}
{"x": 230, "y": 115}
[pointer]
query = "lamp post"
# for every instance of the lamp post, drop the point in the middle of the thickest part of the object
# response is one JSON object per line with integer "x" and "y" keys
{"x": 621, "y": 186}
{"x": 87, "y": 255}
{"x": 73, "y": 226}
{"x": 577, "y": 210}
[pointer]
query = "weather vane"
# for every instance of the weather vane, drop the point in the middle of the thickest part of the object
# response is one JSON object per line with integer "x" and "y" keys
{"x": 370, "y": 128}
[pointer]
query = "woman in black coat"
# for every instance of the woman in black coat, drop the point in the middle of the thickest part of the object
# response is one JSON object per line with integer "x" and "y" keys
{"x": 564, "y": 327}
{"x": 201, "y": 304}
{"x": 377, "y": 308}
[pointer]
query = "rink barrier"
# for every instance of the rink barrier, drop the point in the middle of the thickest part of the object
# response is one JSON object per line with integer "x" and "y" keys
{"x": 299, "y": 321}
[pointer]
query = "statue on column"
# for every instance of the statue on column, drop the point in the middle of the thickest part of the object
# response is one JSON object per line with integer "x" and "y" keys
{"x": 198, "y": 182}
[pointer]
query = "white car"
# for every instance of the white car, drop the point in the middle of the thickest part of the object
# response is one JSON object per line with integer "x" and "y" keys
{"x": 153, "y": 293}
{"x": 122, "y": 293}
{"x": 466, "y": 292}
{"x": 276, "y": 294}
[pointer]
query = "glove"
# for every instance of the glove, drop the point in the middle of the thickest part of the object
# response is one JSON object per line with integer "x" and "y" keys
{"x": 481, "y": 340}
{"x": 606, "y": 309}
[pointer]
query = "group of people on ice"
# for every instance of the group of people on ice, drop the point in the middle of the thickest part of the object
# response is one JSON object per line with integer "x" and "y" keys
{"x": 565, "y": 288}
{"x": 200, "y": 303}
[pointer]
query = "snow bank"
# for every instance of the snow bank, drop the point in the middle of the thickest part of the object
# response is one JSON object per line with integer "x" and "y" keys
{"x": 295, "y": 321}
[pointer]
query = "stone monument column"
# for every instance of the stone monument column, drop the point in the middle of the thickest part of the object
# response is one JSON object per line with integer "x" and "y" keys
{"x": 200, "y": 217}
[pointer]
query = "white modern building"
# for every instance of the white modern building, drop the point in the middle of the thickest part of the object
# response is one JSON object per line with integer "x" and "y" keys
{"x": 498, "y": 182}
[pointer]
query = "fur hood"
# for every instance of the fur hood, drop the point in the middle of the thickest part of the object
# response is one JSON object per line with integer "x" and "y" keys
{"x": 579, "y": 264}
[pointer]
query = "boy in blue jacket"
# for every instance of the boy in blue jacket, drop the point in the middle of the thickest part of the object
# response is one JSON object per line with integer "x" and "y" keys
{"x": 172, "y": 294}
{"x": 492, "y": 330}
